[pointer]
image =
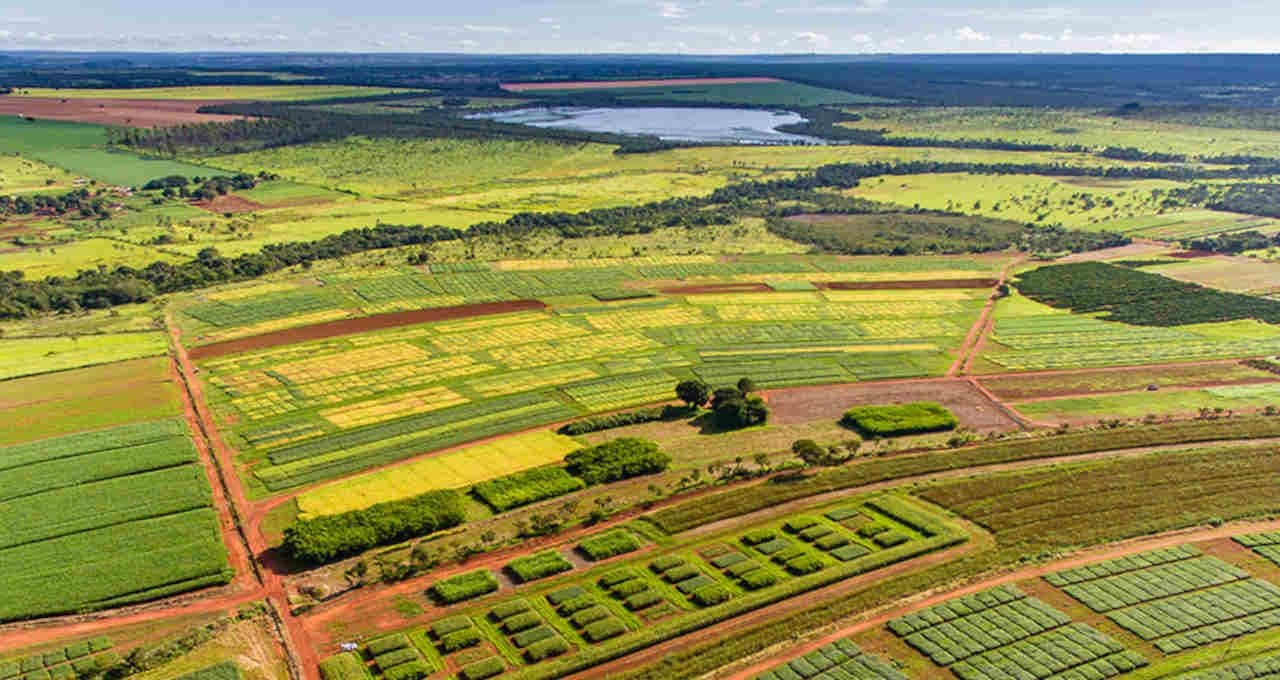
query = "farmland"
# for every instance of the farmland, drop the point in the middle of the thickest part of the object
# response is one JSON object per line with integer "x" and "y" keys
{"x": 212, "y": 92}
{"x": 140, "y": 525}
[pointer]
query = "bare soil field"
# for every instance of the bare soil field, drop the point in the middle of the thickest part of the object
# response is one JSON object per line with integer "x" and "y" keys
{"x": 620, "y": 84}
{"x": 974, "y": 409}
{"x": 229, "y": 203}
{"x": 333, "y": 329}
{"x": 129, "y": 112}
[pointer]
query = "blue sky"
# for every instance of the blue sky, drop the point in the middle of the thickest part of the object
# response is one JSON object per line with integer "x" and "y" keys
{"x": 646, "y": 26}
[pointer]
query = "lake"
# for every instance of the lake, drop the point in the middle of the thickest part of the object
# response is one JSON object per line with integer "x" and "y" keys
{"x": 717, "y": 125}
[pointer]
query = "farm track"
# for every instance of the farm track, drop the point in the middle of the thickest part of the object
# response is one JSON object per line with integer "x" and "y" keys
{"x": 883, "y": 615}
{"x": 973, "y": 341}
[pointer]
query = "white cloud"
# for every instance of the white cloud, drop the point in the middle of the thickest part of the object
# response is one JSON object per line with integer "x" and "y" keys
{"x": 969, "y": 34}
{"x": 672, "y": 10}
{"x": 1130, "y": 39}
{"x": 813, "y": 40}
{"x": 1035, "y": 37}
{"x": 475, "y": 28}
{"x": 859, "y": 7}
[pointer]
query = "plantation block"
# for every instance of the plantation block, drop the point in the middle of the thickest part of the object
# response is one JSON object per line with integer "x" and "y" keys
{"x": 662, "y": 564}
{"x": 577, "y": 604}
{"x": 464, "y": 586}
{"x": 617, "y": 576}
{"x": 483, "y": 669}
{"x": 452, "y": 624}
{"x": 525, "y": 638}
{"x": 687, "y": 586}
{"x": 888, "y": 539}
{"x": 460, "y": 639}
{"x": 641, "y": 601}
{"x": 413, "y": 670}
{"x": 538, "y": 566}
{"x": 755, "y": 580}
{"x": 797, "y": 524}
{"x": 759, "y": 536}
{"x": 898, "y": 420}
{"x": 805, "y": 564}
{"x": 728, "y": 560}
{"x": 628, "y": 588}
{"x": 524, "y": 488}
{"x": 787, "y": 554}
{"x": 545, "y": 649}
{"x": 506, "y": 610}
{"x": 773, "y": 546}
{"x": 603, "y": 630}
{"x": 521, "y": 622}
{"x": 815, "y": 532}
{"x": 558, "y": 597}
{"x": 611, "y": 544}
{"x": 40, "y": 674}
{"x": 711, "y": 595}
{"x": 388, "y": 643}
{"x": 587, "y": 616}
{"x": 743, "y": 568}
{"x": 395, "y": 658}
{"x": 831, "y": 542}
{"x": 679, "y": 574}
{"x": 842, "y": 514}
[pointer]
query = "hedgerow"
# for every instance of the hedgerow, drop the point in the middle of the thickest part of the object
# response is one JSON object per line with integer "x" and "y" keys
{"x": 523, "y": 488}
{"x": 465, "y": 586}
{"x": 614, "y": 420}
{"x": 332, "y": 537}
{"x": 895, "y": 420}
{"x": 616, "y": 460}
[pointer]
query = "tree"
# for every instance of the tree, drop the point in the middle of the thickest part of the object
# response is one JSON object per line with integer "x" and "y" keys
{"x": 736, "y": 412}
{"x": 747, "y": 386}
{"x": 695, "y": 393}
{"x": 813, "y": 454}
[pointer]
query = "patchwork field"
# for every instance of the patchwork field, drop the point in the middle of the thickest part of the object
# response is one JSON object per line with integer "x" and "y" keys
{"x": 28, "y": 356}
{"x": 103, "y": 519}
{"x": 80, "y": 149}
{"x": 307, "y": 412}
{"x": 214, "y": 92}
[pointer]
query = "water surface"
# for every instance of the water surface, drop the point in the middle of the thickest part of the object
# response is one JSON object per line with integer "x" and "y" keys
{"x": 715, "y": 125}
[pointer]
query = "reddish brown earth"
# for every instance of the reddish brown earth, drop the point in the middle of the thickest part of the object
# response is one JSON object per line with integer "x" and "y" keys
{"x": 229, "y": 203}
{"x": 619, "y": 84}
{"x": 333, "y": 329}
{"x": 713, "y": 288}
{"x": 129, "y": 112}
{"x": 1192, "y": 254}
{"x": 829, "y": 402}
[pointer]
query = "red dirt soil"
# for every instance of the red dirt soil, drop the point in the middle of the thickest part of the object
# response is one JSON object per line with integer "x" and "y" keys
{"x": 713, "y": 288}
{"x": 333, "y": 329}
{"x": 1192, "y": 254}
{"x": 621, "y": 84}
{"x": 129, "y": 112}
{"x": 229, "y": 203}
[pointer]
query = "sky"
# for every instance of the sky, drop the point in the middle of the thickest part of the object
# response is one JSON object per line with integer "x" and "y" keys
{"x": 645, "y": 26}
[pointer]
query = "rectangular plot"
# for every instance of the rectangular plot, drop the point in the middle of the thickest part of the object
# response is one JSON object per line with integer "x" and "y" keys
{"x": 1121, "y": 565}
{"x": 985, "y": 630}
{"x": 1153, "y": 583}
{"x": 1191, "y": 611}
{"x": 622, "y": 391}
{"x": 512, "y": 382}
{"x": 572, "y": 349}
{"x": 720, "y": 335}
{"x": 395, "y": 406}
{"x": 1077, "y": 648}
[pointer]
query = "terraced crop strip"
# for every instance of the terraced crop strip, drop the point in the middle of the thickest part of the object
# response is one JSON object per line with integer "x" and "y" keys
{"x": 1265, "y": 544}
{"x": 840, "y": 660}
{"x": 574, "y": 620}
{"x": 105, "y": 518}
{"x": 311, "y": 411}
{"x": 1176, "y": 599}
{"x": 1002, "y": 633}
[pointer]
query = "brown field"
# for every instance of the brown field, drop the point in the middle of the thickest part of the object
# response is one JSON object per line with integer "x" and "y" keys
{"x": 333, "y": 329}
{"x": 620, "y": 84}
{"x": 229, "y": 203}
{"x": 130, "y": 112}
{"x": 829, "y": 402}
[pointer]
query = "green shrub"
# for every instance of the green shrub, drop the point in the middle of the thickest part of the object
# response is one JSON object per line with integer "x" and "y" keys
{"x": 506, "y": 610}
{"x": 680, "y": 573}
{"x": 65, "y": 672}
{"x": 76, "y": 650}
{"x": 413, "y": 670}
{"x": 39, "y": 674}
{"x": 521, "y": 622}
{"x": 831, "y": 542}
{"x": 757, "y": 579}
{"x": 797, "y": 524}
{"x": 743, "y": 568}
{"x": 395, "y": 657}
{"x": 759, "y": 536}
{"x": 485, "y": 668}
{"x": 603, "y": 630}
{"x": 628, "y": 588}
{"x": 85, "y": 666}
{"x": 344, "y": 666}
{"x": 523, "y": 488}
{"x": 460, "y": 639}
{"x": 388, "y": 643}
{"x": 900, "y": 419}
{"x": 771, "y": 547}
{"x": 465, "y": 586}
{"x": 616, "y": 460}
{"x": 617, "y": 576}
{"x": 643, "y": 600}
{"x": 609, "y": 544}
{"x": 8, "y": 669}
{"x": 728, "y": 560}
{"x": 805, "y": 564}
{"x": 525, "y": 638}
{"x": 591, "y": 615}
{"x": 558, "y": 597}
{"x": 452, "y": 624}
{"x": 663, "y": 564}
{"x": 545, "y": 649}
{"x": 332, "y": 537}
{"x": 577, "y": 604}
{"x": 613, "y": 420}
{"x": 538, "y": 565}
{"x": 890, "y": 538}
{"x": 54, "y": 658}
{"x": 689, "y": 585}
{"x": 842, "y": 514}
{"x": 100, "y": 644}
{"x": 711, "y": 595}
{"x": 31, "y": 664}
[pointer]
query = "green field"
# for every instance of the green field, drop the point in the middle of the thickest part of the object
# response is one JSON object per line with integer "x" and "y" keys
{"x": 105, "y": 518}
{"x": 29, "y": 356}
{"x": 281, "y": 93}
{"x": 1239, "y": 398}
{"x": 20, "y": 175}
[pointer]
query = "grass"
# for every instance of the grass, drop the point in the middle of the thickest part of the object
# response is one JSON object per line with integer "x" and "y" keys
{"x": 66, "y": 259}
{"x": 1139, "y": 404}
{"x": 30, "y": 356}
{"x": 454, "y": 470}
{"x": 106, "y": 518}
{"x": 280, "y": 93}
{"x": 86, "y": 399}
{"x": 1016, "y": 388}
{"x": 20, "y": 175}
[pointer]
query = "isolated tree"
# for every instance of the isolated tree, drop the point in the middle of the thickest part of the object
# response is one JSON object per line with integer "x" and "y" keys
{"x": 813, "y": 454}
{"x": 695, "y": 393}
{"x": 747, "y": 386}
{"x": 735, "y": 411}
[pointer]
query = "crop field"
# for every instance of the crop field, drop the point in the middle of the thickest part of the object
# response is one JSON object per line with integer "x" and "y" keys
{"x": 1079, "y": 203}
{"x": 840, "y": 659}
{"x": 1176, "y": 598}
{"x": 586, "y": 616}
{"x": 20, "y": 175}
{"x": 1238, "y": 398}
{"x": 67, "y": 259}
{"x": 1188, "y": 224}
{"x": 308, "y": 412}
{"x": 1069, "y": 127}
{"x": 105, "y": 518}
{"x": 85, "y": 399}
{"x": 1003, "y": 633}
{"x": 1267, "y": 544}
{"x": 281, "y": 93}
{"x": 1023, "y": 387}
{"x": 28, "y": 356}
{"x": 1237, "y": 274}
{"x": 1031, "y": 336}
{"x": 453, "y": 470}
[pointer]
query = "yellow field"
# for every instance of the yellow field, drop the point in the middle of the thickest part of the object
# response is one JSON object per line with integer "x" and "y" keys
{"x": 454, "y": 470}
{"x": 378, "y": 410}
{"x": 68, "y": 258}
{"x": 20, "y": 175}
{"x": 280, "y": 93}
{"x": 29, "y": 356}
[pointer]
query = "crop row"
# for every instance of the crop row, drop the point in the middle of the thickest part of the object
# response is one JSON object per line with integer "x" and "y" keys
{"x": 983, "y": 631}
{"x": 840, "y": 660}
{"x": 1261, "y": 668}
{"x": 1204, "y": 609}
{"x": 1121, "y": 565}
{"x": 1153, "y": 583}
{"x": 1074, "y": 651}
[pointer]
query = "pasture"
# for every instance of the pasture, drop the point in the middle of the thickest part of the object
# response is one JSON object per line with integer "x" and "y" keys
{"x": 105, "y": 518}
{"x": 30, "y": 356}
{"x": 307, "y": 412}
{"x": 20, "y": 175}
